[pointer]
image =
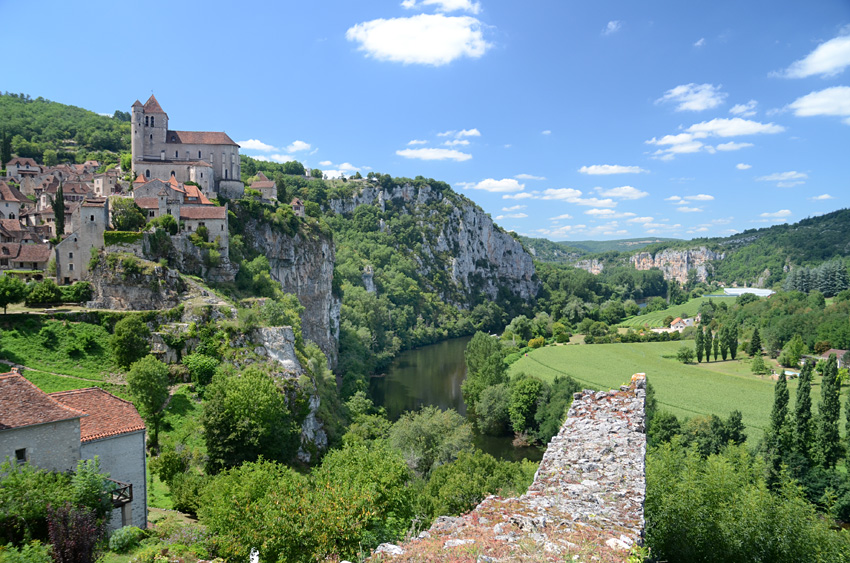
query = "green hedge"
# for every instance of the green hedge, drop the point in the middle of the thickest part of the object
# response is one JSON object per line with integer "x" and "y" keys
{"x": 121, "y": 237}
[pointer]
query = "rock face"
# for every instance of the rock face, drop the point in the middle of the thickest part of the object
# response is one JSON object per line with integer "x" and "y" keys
{"x": 675, "y": 264}
{"x": 143, "y": 287}
{"x": 591, "y": 265}
{"x": 586, "y": 501}
{"x": 278, "y": 344}
{"x": 460, "y": 238}
{"x": 304, "y": 266}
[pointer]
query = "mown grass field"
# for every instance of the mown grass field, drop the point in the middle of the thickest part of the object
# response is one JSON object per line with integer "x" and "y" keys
{"x": 685, "y": 390}
{"x": 656, "y": 318}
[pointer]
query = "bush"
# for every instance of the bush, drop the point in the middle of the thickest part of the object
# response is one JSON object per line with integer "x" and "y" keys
{"x": 538, "y": 342}
{"x": 121, "y": 237}
{"x": 685, "y": 354}
{"x": 491, "y": 410}
{"x": 130, "y": 340}
{"x": 126, "y": 538}
{"x": 186, "y": 489}
{"x": 44, "y": 292}
{"x": 201, "y": 368}
{"x": 78, "y": 292}
{"x": 166, "y": 222}
{"x": 33, "y": 552}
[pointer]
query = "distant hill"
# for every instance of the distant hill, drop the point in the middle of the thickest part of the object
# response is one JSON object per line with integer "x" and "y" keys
{"x": 621, "y": 245}
{"x": 566, "y": 252}
{"x": 547, "y": 251}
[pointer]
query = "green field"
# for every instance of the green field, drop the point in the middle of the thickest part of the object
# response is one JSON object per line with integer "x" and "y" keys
{"x": 685, "y": 390}
{"x": 656, "y": 318}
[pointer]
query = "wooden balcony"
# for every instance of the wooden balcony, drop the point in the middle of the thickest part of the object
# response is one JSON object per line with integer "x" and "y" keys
{"x": 122, "y": 493}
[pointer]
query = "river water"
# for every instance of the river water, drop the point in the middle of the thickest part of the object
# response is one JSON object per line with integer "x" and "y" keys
{"x": 432, "y": 375}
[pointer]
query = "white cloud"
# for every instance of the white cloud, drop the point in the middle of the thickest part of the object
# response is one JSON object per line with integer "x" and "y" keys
{"x": 785, "y": 179}
{"x": 561, "y": 193}
{"x": 694, "y": 97}
{"x": 604, "y": 169}
{"x": 460, "y": 134}
{"x": 828, "y": 59}
{"x": 261, "y": 158}
{"x": 560, "y": 217}
{"x": 348, "y": 167}
{"x": 529, "y": 177}
{"x": 608, "y": 214}
{"x": 282, "y": 157}
{"x": 742, "y": 166}
{"x": 456, "y": 142}
{"x": 512, "y": 216}
{"x": 732, "y": 146}
{"x": 641, "y": 220}
{"x": 744, "y": 110}
{"x": 520, "y": 195}
{"x": 689, "y": 209}
{"x": 821, "y": 197}
{"x": 428, "y": 39}
{"x": 416, "y": 142}
{"x": 699, "y": 197}
{"x": 445, "y": 5}
{"x": 725, "y": 127}
{"x": 256, "y": 145}
{"x": 326, "y": 163}
{"x": 498, "y": 186}
{"x": 623, "y": 192}
{"x": 434, "y": 154}
{"x": 777, "y": 214}
{"x": 700, "y": 42}
{"x": 514, "y": 208}
{"x": 298, "y": 146}
{"x": 593, "y": 202}
{"x": 831, "y": 101}
{"x": 612, "y": 27}
{"x": 673, "y": 198}
{"x": 546, "y": 132}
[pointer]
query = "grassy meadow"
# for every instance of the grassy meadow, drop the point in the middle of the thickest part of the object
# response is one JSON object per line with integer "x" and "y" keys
{"x": 656, "y": 318}
{"x": 685, "y": 390}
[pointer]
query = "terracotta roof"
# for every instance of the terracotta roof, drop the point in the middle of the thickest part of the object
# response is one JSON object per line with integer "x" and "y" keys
{"x": 9, "y": 250}
{"x": 24, "y": 404}
{"x": 676, "y": 320}
{"x": 152, "y": 106}
{"x": 21, "y": 162}
{"x": 94, "y": 202}
{"x": 147, "y": 202}
{"x": 12, "y": 225}
{"x": 203, "y": 212}
{"x": 108, "y": 415}
{"x": 34, "y": 253}
{"x": 140, "y": 179}
{"x": 838, "y": 353}
{"x": 194, "y": 192}
{"x": 262, "y": 182}
{"x": 199, "y": 138}
{"x": 11, "y": 193}
{"x": 295, "y": 202}
{"x": 137, "y": 104}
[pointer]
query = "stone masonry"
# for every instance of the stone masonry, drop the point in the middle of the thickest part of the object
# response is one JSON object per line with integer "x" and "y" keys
{"x": 585, "y": 504}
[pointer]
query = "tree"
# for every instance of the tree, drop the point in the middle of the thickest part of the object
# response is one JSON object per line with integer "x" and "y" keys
{"x": 130, "y": 340}
{"x": 166, "y": 222}
{"x": 12, "y": 290}
{"x": 778, "y": 435}
{"x": 792, "y": 352}
{"x": 50, "y": 158}
{"x": 45, "y": 291}
{"x": 685, "y": 355}
{"x": 126, "y": 215}
{"x": 724, "y": 342}
{"x": 249, "y": 416}
{"x": 758, "y": 366}
{"x": 698, "y": 345}
{"x": 707, "y": 340}
{"x": 148, "y": 383}
{"x": 484, "y": 367}
{"x": 58, "y": 206}
{"x": 75, "y": 534}
{"x": 755, "y": 344}
{"x": 316, "y": 173}
{"x": 829, "y": 411}
{"x": 491, "y": 410}
{"x": 201, "y": 368}
{"x": 803, "y": 439}
{"x": 716, "y": 346}
{"x": 5, "y": 148}
{"x": 430, "y": 437}
{"x": 732, "y": 335}
{"x": 525, "y": 396}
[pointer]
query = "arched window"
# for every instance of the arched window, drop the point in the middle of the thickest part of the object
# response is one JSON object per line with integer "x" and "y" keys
{"x": 146, "y": 121}
{"x": 172, "y": 173}
{"x": 11, "y": 215}
{"x": 199, "y": 155}
{"x": 151, "y": 121}
{"x": 175, "y": 154}
{"x": 225, "y": 173}
{"x": 147, "y": 173}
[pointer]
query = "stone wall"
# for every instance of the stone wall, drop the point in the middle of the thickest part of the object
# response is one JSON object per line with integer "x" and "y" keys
{"x": 123, "y": 458}
{"x": 54, "y": 446}
{"x": 585, "y": 504}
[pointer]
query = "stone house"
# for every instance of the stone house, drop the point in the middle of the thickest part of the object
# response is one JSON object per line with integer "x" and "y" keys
{"x": 839, "y": 354}
{"x": 18, "y": 168}
{"x": 16, "y": 256}
{"x": 54, "y": 431}
{"x": 266, "y": 187}
{"x": 11, "y": 200}
{"x": 297, "y": 207}
{"x": 89, "y": 220}
{"x": 210, "y": 216}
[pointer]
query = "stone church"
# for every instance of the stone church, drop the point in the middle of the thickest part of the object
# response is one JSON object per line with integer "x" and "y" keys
{"x": 208, "y": 158}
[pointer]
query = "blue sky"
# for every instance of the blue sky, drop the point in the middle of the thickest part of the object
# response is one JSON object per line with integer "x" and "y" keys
{"x": 562, "y": 119}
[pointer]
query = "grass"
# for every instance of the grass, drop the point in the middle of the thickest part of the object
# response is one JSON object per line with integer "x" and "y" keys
{"x": 685, "y": 390}
{"x": 656, "y": 318}
{"x": 50, "y": 383}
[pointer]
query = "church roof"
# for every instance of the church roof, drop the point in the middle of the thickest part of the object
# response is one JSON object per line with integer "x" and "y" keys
{"x": 199, "y": 138}
{"x": 137, "y": 104}
{"x": 152, "y": 106}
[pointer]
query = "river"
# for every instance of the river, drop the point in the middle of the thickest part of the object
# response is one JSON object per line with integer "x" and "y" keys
{"x": 432, "y": 375}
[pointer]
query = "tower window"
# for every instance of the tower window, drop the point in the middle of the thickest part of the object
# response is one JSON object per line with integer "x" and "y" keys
{"x": 172, "y": 173}
{"x": 175, "y": 154}
{"x": 199, "y": 155}
{"x": 147, "y": 173}
{"x": 151, "y": 137}
{"x": 172, "y": 138}
{"x": 151, "y": 121}
{"x": 146, "y": 121}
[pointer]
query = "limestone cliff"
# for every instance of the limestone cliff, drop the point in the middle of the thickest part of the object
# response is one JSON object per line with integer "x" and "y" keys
{"x": 125, "y": 283}
{"x": 675, "y": 264}
{"x": 457, "y": 237}
{"x": 303, "y": 264}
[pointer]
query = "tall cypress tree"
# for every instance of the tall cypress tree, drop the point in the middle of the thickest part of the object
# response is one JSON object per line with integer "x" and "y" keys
{"x": 715, "y": 346}
{"x": 733, "y": 341}
{"x": 829, "y": 411}
{"x": 5, "y": 148}
{"x": 755, "y": 343}
{"x": 803, "y": 439}
{"x": 778, "y": 433}
{"x": 724, "y": 342}
{"x": 58, "y": 205}
{"x": 706, "y": 343}
{"x": 699, "y": 348}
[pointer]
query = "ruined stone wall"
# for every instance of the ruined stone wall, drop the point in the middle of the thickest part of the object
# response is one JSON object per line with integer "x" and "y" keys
{"x": 586, "y": 501}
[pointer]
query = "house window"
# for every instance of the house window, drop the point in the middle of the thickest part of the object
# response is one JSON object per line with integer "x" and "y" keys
{"x": 175, "y": 154}
{"x": 199, "y": 155}
{"x": 70, "y": 267}
{"x": 91, "y": 218}
{"x": 222, "y": 227}
{"x": 70, "y": 255}
{"x": 151, "y": 137}
{"x": 172, "y": 138}
{"x": 151, "y": 213}
{"x": 21, "y": 455}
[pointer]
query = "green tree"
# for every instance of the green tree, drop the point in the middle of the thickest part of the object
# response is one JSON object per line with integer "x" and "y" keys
{"x": 201, "y": 368}
{"x": 755, "y": 344}
{"x": 12, "y": 290}
{"x": 525, "y": 397}
{"x": 685, "y": 355}
{"x": 316, "y": 173}
{"x": 724, "y": 342}
{"x": 430, "y": 437}
{"x": 707, "y": 340}
{"x": 50, "y": 158}
{"x": 148, "y": 383}
{"x": 249, "y": 416}
{"x": 43, "y": 292}
{"x": 491, "y": 410}
{"x": 5, "y": 148}
{"x": 829, "y": 411}
{"x": 757, "y": 366}
{"x": 698, "y": 345}
{"x": 166, "y": 222}
{"x": 58, "y": 206}
{"x": 792, "y": 352}
{"x": 484, "y": 365}
{"x": 732, "y": 341}
{"x": 778, "y": 436}
{"x": 126, "y": 215}
{"x": 715, "y": 345}
{"x": 803, "y": 433}
{"x": 130, "y": 340}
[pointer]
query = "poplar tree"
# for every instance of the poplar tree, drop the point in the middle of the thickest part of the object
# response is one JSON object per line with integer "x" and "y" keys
{"x": 755, "y": 343}
{"x": 699, "y": 348}
{"x": 733, "y": 341}
{"x": 778, "y": 433}
{"x": 716, "y": 346}
{"x": 724, "y": 342}
{"x": 803, "y": 439}
{"x": 829, "y": 411}
{"x": 707, "y": 339}
{"x": 58, "y": 205}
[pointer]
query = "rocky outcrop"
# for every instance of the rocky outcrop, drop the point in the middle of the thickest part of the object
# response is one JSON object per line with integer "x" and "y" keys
{"x": 586, "y": 501}
{"x": 125, "y": 283}
{"x": 675, "y": 264}
{"x": 303, "y": 264}
{"x": 278, "y": 344}
{"x": 591, "y": 265}
{"x": 458, "y": 237}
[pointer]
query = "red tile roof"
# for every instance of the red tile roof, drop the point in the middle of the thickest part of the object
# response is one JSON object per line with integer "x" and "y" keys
{"x": 262, "y": 182}
{"x": 12, "y": 225}
{"x": 11, "y": 193}
{"x": 838, "y": 353}
{"x": 147, "y": 202}
{"x": 139, "y": 179}
{"x": 152, "y": 106}
{"x": 24, "y": 404}
{"x": 34, "y": 253}
{"x": 203, "y": 212}
{"x": 194, "y": 192}
{"x": 21, "y": 162}
{"x": 199, "y": 138}
{"x": 108, "y": 415}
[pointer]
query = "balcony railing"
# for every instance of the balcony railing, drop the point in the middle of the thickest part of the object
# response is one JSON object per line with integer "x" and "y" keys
{"x": 122, "y": 493}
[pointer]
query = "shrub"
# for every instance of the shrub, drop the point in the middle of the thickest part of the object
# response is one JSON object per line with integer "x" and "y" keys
{"x": 121, "y": 237}
{"x": 186, "y": 489}
{"x": 75, "y": 533}
{"x": 201, "y": 368}
{"x": 685, "y": 354}
{"x": 538, "y": 342}
{"x": 33, "y": 552}
{"x": 44, "y": 292}
{"x": 130, "y": 340}
{"x": 126, "y": 538}
{"x": 166, "y": 222}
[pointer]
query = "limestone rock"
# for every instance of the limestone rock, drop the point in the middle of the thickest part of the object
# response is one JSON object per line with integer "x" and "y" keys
{"x": 675, "y": 264}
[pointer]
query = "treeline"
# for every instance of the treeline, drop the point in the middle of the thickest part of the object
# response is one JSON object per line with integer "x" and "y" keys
{"x": 830, "y": 278}
{"x": 52, "y": 133}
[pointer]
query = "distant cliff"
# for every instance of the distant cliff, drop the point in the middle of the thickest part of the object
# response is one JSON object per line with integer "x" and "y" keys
{"x": 675, "y": 264}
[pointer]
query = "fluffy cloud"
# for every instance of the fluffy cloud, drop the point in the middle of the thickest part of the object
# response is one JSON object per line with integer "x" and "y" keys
{"x": 571, "y": 195}
{"x": 512, "y": 216}
{"x": 831, "y": 101}
{"x": 520, "y": 195}
{"x": 456, "y": 142}
{"x": 699, "y": 197}
{"x": 280, "y": 157}
{"x": 460, "y": 134}
{"x": 776, "y": 214}
{"x": 298, "y": 146}
{"x": 434, "y": 154}
{"x": 785, "y": 179}
{"x": 445, "y": 5}
{"x": 689, "y": 209}
{"x": 732, "y": 146}
{"x": 608, "y": 214}
{"x": 821, "y": 197}
{"x": 546, "y": 132}
{"x": 428, "y": 39}
{"x": 734, "y": 127}
{"x": 529, "y": 177}
{"x": 623, "y": 192}
{"x": 742, "y": 166}
{"x": 641, "y": 220}
{"x": 561, "y": 193}
{"x": 514, "y": 208}
{"x": 744, "y": 110}
{"x": 326, "y": 163}
{"x": 604, "y": 169}
{"x": 694, "y": 97}
{"x": 256, "y": 145}
{"x": 828, "y": 59}
{"x": 691, "y": 140}
{"x": 497, "y": 186}
{"x": 613, "y": 27}
{"x": 560, "y": 217}
{"x": 700, "y": 42}
{"x": 416, "y": 142}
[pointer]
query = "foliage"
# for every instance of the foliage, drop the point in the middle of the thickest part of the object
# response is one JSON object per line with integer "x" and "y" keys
{"x": 43, "y": 292}
{"x": 75, "y": 534}
{"x": 526, "y": 393}
{"x": 25, "y": 493}
{"x": 129, "y": 340}
{"x": 758, "y": 367}
{"x": 803, "y": 431}
{"x": 201, "y": 368}
{"x": 77, "y": 292}
{"x": 484, "y": 366}
{"x": 685, "y": 355}
{"x": 430, "y": 437}
{"x": 12, "y": 290}
{"x": 830, "y": 279}
{"x": 792, "y": 352}
{"x": 248, "y": 416}
{"x": 91, "y": 489}
{"x": 32, "y": 552}
{"x": 166, "y": 222}
{"x": 829, "y": 411}
{"x": 121, "y": 237}
{"x": 57, "y": 204}
{"x": 148, "y": 382}
{"x": 491, "y": 410}
{"x": 124, "y": 539}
